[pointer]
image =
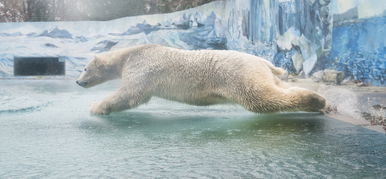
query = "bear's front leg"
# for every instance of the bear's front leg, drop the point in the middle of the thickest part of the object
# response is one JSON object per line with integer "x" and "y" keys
{"x": 121, "y": 100}
{"x": 101, "y": 108}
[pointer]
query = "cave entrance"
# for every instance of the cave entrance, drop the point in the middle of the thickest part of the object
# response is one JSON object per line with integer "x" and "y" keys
{"x": 38, "y": 66}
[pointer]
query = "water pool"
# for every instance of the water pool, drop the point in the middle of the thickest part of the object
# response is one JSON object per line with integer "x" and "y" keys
{"x": 46, "y": 131}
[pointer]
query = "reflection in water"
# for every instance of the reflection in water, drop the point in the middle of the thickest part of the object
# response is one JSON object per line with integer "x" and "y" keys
{"x": 275, "y": 123}
{"x": 166, "y": 139}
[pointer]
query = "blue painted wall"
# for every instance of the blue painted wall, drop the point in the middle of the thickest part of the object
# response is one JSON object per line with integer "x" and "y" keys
{"x": 359, "y": 50}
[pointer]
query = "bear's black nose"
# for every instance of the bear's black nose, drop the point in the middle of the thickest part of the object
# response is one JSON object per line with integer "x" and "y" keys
{"x": 81, "y": 83}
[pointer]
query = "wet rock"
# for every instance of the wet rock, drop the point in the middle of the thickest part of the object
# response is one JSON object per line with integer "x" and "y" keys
{"x": 360, "y": 83}
{"x": 379, "y": 107}
{"x": 376, "y": 115}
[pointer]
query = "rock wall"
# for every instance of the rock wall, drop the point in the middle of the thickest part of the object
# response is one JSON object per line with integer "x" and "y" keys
{"x": 303, "y": 36}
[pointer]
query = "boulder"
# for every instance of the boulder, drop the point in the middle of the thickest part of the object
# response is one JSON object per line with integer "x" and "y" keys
{"x": 333, "y": 76}
{"x": 328, "y": 76}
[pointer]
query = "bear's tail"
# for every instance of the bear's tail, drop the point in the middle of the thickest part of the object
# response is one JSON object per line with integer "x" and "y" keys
{"x": 279, "y": 72}
{"x": 275, "y": 70}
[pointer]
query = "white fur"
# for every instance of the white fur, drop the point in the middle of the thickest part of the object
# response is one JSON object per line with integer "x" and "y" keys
{"x": 201, "y": 77}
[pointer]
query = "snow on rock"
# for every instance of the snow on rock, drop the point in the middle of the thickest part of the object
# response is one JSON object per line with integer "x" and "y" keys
{"x": 104, "y": 45}
{"x": 288, "y": 39}
{"x": 57, "y": 33}
{"x": 305, "y": 56}
{"x": 50, "y": 45}
{"x": 297, "y": 60}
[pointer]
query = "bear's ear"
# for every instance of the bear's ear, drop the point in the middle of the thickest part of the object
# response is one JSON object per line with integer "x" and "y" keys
{"x": 96, "y": 60}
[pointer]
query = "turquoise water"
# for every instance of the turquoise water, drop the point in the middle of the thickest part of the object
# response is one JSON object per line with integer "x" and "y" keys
{"x": 46, "y": 132}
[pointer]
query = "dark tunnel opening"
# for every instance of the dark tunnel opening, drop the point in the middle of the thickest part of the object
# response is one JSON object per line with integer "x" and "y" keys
{"x": 38, "y": 66}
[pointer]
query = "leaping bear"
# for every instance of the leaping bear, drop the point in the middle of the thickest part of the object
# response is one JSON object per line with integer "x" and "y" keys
{"x": 196, "y": 77}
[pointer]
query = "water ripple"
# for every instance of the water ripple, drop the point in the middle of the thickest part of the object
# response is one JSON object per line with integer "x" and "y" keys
{"x": 25, "y": 109}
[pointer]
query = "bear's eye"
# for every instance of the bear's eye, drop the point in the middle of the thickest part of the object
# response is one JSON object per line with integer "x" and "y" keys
{"x": 85, "y": 69}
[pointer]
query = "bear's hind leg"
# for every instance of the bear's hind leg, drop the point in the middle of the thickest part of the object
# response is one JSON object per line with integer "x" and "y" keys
{"x": 120, "y": 100}
{"x": 276, "y": 99}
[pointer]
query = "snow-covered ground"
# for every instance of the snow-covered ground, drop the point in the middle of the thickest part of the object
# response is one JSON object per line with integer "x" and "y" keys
{"x": 295, "y": 34}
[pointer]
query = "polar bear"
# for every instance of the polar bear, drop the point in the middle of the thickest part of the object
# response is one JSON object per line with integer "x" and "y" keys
{"x": 196, "y": 77}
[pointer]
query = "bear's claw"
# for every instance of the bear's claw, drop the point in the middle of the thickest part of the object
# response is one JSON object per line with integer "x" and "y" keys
{"x": 329, "y": 108}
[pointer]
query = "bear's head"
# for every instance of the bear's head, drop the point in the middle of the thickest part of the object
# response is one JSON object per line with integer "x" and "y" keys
{"x": 97, "y": 71}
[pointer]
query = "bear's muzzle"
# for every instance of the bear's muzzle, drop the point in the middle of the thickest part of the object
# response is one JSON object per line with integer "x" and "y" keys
{"x": 81, "y": 83}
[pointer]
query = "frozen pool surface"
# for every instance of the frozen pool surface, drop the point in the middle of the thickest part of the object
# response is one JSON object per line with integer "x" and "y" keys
{"x": 46, "y": 131}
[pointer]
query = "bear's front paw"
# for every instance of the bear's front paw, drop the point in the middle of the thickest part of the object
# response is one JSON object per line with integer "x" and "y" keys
{"x": 99, "y": 109}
